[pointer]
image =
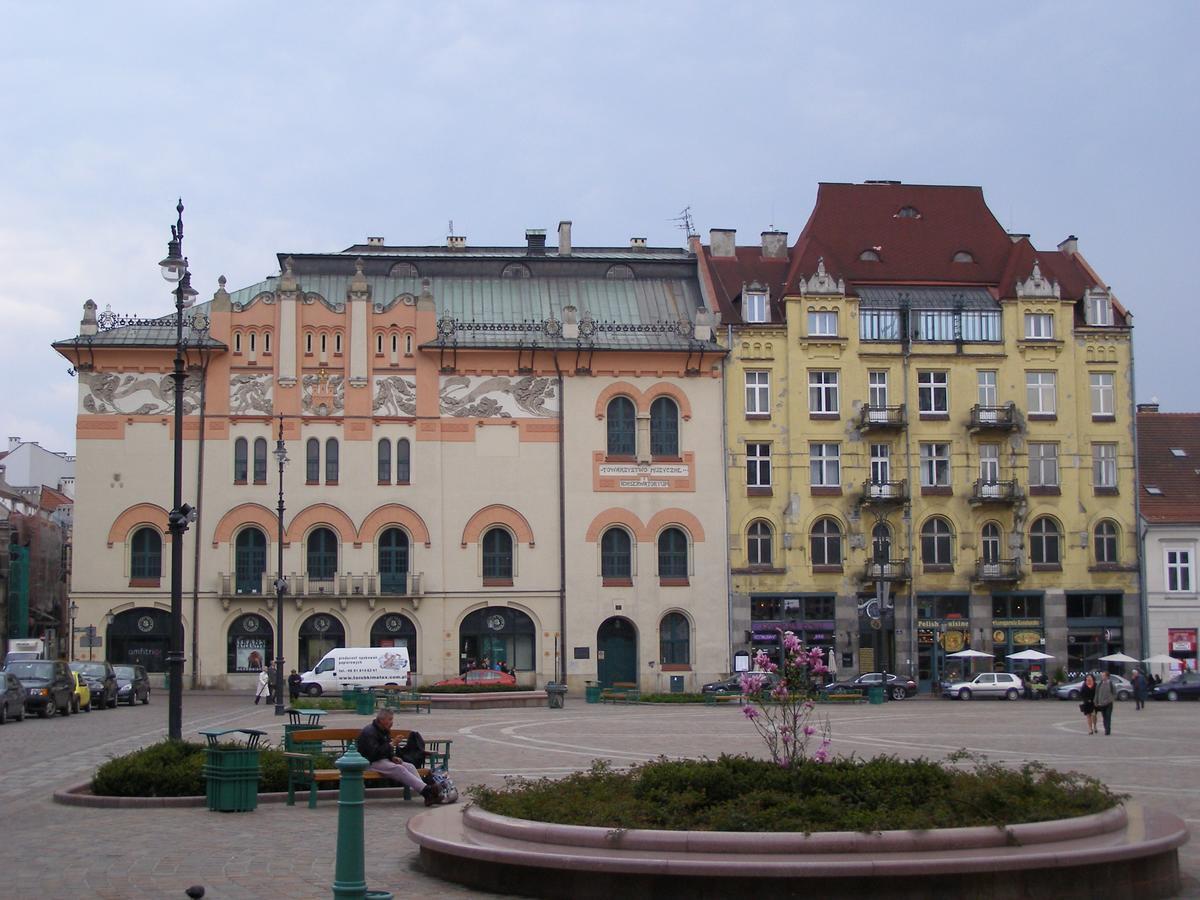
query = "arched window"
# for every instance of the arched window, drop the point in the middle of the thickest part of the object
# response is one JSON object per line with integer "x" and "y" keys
{"x": 403, "y": 461}
{"x": 322, "y": 555}
{"x": 331, "y": 461}
{"x": 497, "y": 556}
{"x": 1045, "y": 543}
{"x": 260, "y": 460}
{"x": 324, "y": 343}
{"x": 622, "y": 427}
{"x": 758, "y": 544}
{"x": 308, "y": 342}
{"x": 664, "y": 427}
{"x": 379, "y": 343}
{"x": 237, "y": 342}
{"x": 408, "y": 345}
{"x": 826, "y": 542}
{"x": 395, "y": 630}
{"x": 240, "y": 461}
{"x": 869, "y": 256}
{"x": 501, "y": 634}
{"x": 337, "y": 342}
{"x": 145, "y": 555}
{"x": 249, "y": 644}
{"x": 395, "y": 342}
{"x": 672, "y": 554}
{"x": 319, "y": 634}
{"x": 989, "y": 547}
{"x": 393, "y": 562}
{"x": 250, "y": 560}
{"x": 674, "y": 640}
{"x": 384, "y": 461}
{"x": 936, "y": 542}
{"x": 616, "y": 558}
{"x": 881, "y": 543}
{"x": 1106, "y": 544}
{"x": 252, "y": 335}
{"x": 266, "y": 342}
{"x": 312, "y": 461}
{"x": 963, "y": 256}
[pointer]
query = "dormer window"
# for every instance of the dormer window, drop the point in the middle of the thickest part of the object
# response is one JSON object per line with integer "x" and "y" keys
{"x": 869, "y": 255}
{"x": 754, "y": 306}
{"x": 1099, "y": 308}
{"x": 908, "y": 212}
{"x": 964, "y": 256}
{"x": 404, "y": 270}
{"x": 515, "y": 270}
{"x": 1154, "y": 490}
{"x": 619, "y": 272}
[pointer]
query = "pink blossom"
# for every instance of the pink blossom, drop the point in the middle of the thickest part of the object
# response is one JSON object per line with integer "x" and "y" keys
{"x": 809, "y": 731}
{"x": 749, "y": 712}
{"x": 752, "y": 684}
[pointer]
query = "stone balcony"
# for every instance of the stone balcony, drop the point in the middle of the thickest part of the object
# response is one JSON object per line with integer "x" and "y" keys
{"x": 993, "y": 418}
{"x": 1001, "y": 571}
{"x": 884, "y": 493}
{"x": 345, "y": 587}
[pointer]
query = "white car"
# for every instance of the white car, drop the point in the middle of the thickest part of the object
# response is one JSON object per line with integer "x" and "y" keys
{"x": 987, "y": 684}
{"x": 1070, "y": 691}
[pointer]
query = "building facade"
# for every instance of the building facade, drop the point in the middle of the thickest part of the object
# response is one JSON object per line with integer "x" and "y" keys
{"x": 503, "y": 452}
{"x": 930, "y": 437}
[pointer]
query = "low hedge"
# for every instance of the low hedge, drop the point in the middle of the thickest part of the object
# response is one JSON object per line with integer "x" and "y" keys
{"x": 738, "y": 793}
{"x": 672, "y": 698}
{"x": 470, "y": 688}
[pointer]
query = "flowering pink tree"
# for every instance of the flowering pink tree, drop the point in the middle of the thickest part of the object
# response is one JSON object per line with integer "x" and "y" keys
{"x": 784, "y": 711}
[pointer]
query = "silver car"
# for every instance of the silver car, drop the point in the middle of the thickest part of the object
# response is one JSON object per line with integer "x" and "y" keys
{"x": 987, "y": 684}
{"x": 1070, "y": 690}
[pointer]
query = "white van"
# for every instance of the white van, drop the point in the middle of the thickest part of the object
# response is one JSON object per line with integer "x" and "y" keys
{"x": 350, "y": 667}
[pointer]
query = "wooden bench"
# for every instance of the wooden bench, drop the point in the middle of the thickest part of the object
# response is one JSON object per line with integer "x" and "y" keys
{"x": 391, "y": 698}
{"x": 320, "y": 744}
{"x": 712, "y": 699}
{"x": 621, "y": 692}
{"x": 846, "y": 697}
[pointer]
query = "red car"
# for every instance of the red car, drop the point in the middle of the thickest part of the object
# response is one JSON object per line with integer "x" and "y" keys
{"x": 481, "y": 678}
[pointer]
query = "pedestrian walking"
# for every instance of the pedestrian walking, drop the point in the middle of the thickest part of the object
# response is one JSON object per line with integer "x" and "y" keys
{"x": 264, "y": 687}
{"x": 1141, "y": 689}
{"x": 1105, "y": 695}
{"x": 1087, "y": 694}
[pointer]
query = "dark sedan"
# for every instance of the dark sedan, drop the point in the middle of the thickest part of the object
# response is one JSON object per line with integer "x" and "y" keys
{"x": 102, "y": 680}
{"x": 898, "y": 687}
{"x": 1185, "y": 686}
{"x": 12, "y": 698}
{"x": 733, "y": 684}
{"x": 49, "y": 686}
{"x": 133, "y": 684}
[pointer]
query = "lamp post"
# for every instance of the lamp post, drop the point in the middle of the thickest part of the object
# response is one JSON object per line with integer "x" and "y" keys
{"x": 73, "y": 611}
{"x": 175, "y": 271}
{"x": 281, "y": 457}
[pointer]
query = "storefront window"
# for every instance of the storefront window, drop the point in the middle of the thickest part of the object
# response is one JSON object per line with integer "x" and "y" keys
{"x": 500, "y": 634}
{"x": 249, "y": 644}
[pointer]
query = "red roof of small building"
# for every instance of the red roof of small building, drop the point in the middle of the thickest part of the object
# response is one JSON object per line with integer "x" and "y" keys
{"x": 1177, "y": 477}
{"x": 52, "y": 499}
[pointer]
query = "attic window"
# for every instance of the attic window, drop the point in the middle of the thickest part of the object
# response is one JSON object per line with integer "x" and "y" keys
{"x": 754, "y": 306}
{"x": 908, "y": 212}
{"x": 619, "y": 272}
{"x": 964, "y": 256}
{"x": 404, "y": 270}
{"x": 869, "y": 255}
{"x": 1154, "y": 490}
{"x": 1178, "y": 451}
{"x": 515, "y": 270}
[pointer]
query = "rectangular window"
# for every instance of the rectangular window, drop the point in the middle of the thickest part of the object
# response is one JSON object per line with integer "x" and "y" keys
{"x": 881, "y": 463}
{"x": 934, "y": 324}
{"x": 1043, "y": 465}
{"x": 933, "y": 392}
{"x": 825, "y": 465}
{"x": 1179, "y": 570}
{"x": 823, "y": 324}
{"x": 1039, "y": 326}
{"x": 1102, "y": 394}
{"x": 1099, "y": 310}
{"x": 985, "y": 379}
{"x": 879, "y": 324}
{"x": 1104, "y": 466}
{"x": 935, "y": 465}
{"x": 989, "y": 463}
{"x": 758, "y": 393}
{"x": 758, "y": 465}
{"x": 1040, "y": 393}
{"x": 877, "y": 390}
{"x": 981, "y": 325}
{"x": 754, "y": 306}
{"x": 823, "y": 392}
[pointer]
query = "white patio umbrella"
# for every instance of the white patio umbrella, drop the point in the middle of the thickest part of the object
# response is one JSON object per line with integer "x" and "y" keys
{"x": 1031, "y": 655}
{"x": 832, "y": 664}
{"x": 969, "y": 654}
{"x": 1119, "y": 657}
{"x": 1160, "y": 659}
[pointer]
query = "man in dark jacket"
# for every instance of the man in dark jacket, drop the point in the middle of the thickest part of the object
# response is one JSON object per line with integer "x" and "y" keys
{"x": 294, "y": 681}
{"x": 375, "y": 745}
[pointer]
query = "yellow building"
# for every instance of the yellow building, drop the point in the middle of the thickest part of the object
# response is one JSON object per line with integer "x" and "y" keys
{"x": 929, "y": 438}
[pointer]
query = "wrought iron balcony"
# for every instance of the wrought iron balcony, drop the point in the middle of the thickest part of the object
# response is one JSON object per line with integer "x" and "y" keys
{"x": 892, "y": 570}
{"x": 884, "y": 493}
{"x": 995, "y": 492}
{"x": 880, "y": 418}
{"x": 1000, "y": 571}
{"x": 993, "y": 418}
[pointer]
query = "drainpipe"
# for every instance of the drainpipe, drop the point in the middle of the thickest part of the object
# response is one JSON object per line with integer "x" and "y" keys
{"x": 1139, "y": 530}
{"x": 725, "y": 488}
{"x": 561, "y": 663}
{"x": 905, "y": 363}
{"x": 198, "y": 542}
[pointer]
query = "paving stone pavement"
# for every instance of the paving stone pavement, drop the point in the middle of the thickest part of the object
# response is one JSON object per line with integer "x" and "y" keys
{"x": 280, "y": 852}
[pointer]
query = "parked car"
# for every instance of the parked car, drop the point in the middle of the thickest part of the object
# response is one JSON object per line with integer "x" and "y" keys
{"x": 898, "y": 687}
{"x": 82, "y": 698}
{"x": 733, "y": 684}
{"x": 133, "y": 684}
{"x": 12, "y": 698}
{"x": 1070, "y": 690}
{"x": 1185, "y": 686}
{"x": 49, "y": 685}
{"x": 102, "y": 681}
{"x": 986, "y": 684}
{"x": 481, "y": 678}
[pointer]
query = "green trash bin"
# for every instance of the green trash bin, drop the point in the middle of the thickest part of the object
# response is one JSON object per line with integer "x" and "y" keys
{"x": 591, "y": 692}
{"x": 556, "y": 693}
{"x": 364, "y": 702}
{"x": 875, "y": 694}
{"x": 231, "y": 770}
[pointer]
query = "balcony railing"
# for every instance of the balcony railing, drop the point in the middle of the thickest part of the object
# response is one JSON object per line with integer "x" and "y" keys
{"x": 995, "y": 492}
{"x": 997, "y": 418}
{"x": 344, "y": 586}
{"x": 879, "y": 418}
{"x": 998, "y": 571}
{"x": 884, "y": 493}
{"x": 886, "y": 570}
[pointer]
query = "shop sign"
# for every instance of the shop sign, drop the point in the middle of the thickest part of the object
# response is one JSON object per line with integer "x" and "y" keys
{"x": 1017, "y": 623}
{"x": 764, "y": 636}
{"x": 1182, "y": 641}
{"x": 939, "y": 624}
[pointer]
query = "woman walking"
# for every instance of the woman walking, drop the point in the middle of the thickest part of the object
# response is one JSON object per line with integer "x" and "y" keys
{"x": 1087, "y": 694}
{"x": 264, "y": 687}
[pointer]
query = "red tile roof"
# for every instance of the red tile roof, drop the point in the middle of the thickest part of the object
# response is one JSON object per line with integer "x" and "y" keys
{"x": 1175, "y": 476}
{"x": 730, "y": 273}
{"x": 52, "y": 499}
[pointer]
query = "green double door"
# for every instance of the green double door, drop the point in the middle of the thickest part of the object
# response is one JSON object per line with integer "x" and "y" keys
{"x": 616, "y": 652}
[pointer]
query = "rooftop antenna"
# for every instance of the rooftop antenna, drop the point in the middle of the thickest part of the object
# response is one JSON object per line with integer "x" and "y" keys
{"x": 685, "y": 222}
{"x": 450, "y": 227}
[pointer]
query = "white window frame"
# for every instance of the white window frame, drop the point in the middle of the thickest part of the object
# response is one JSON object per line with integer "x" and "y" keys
{"x": 1099, "y": 310}
{"x": 933, "y": 391}
{"x": 881, "y": 463}
{"x": 754, "y": 306}
{"x": 989, "y": 463}
{"x": 1104, "y": 465}
{"x": 758, "y": 392}
{"x": 877, "y": 388}
{"x": 1103, "y": 393}
{"x": 1041, "y": 393}
{"x": 822, "y": 323}
{"x": 935, "y": 464}
{"x": 823, "y": 396}
{"x": 825, "y": 464}
{"x": 1043, "y": 463}
{"x": 758, "y": 465}
{"x": 1039, "y": 326}
{"x": 1178, "y": 577}
{"x": 985, "y": 383}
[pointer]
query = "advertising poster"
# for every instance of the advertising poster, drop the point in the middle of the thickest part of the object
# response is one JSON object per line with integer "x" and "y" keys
{"x": 250, "y": 653}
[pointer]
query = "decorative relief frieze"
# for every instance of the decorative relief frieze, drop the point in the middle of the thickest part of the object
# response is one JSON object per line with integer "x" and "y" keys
{"x": 250, "y": 395}
{"x": 395, "y": 395}
{"x": 498, "y": 397}
{"x": 822, "y": 282}
{"x": 1036, "y": 286}
{"x": 135, "y": 394}
{"x": 322, "y": 394}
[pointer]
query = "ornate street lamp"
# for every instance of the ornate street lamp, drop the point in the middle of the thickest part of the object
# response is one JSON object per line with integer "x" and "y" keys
{"x": 281, "y": 457}
{"x": 73, "y": 611}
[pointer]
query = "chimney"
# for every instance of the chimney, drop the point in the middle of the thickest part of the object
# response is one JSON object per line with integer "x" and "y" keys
{"x": 1151, "y": 407}
{"x": 13, "y": 443}
{"x": 636, "y": 243}
{"x": 702, "y": 329}
{"x": 570, "y": 326}
{"x": 457, "y": 242}
{"x": 721, "y": 241}
{"x": 774, "y": 244}
{"x": 87, "y": 325}
{"x": 564, "y": 238}
{"x": 535, "y": 241}
{"x": 1016, "y": 237}
{"x": 374, "y": 241}
{"x": 1070, "y": 246}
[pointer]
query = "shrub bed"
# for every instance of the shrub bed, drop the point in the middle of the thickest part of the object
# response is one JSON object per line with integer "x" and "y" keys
{"x": 333, "y": 703}
{"x": 470, "y": 688}
{"x": 737, "y": 793}
{"x": 672, "y": 698}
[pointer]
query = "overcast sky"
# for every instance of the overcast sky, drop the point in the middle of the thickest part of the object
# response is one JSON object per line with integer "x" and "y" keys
{"x": 308, "y": 126}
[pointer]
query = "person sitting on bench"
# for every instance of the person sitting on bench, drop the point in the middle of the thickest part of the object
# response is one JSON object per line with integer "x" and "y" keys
{"x": 375, "y": 744}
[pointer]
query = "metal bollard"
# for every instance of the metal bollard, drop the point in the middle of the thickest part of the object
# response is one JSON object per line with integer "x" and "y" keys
{"x": 349, "y": 870}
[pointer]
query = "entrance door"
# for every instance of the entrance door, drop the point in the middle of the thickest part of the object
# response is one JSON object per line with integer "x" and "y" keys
{"x": 616, "y": 651}
{"x": 140, "y": 636}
